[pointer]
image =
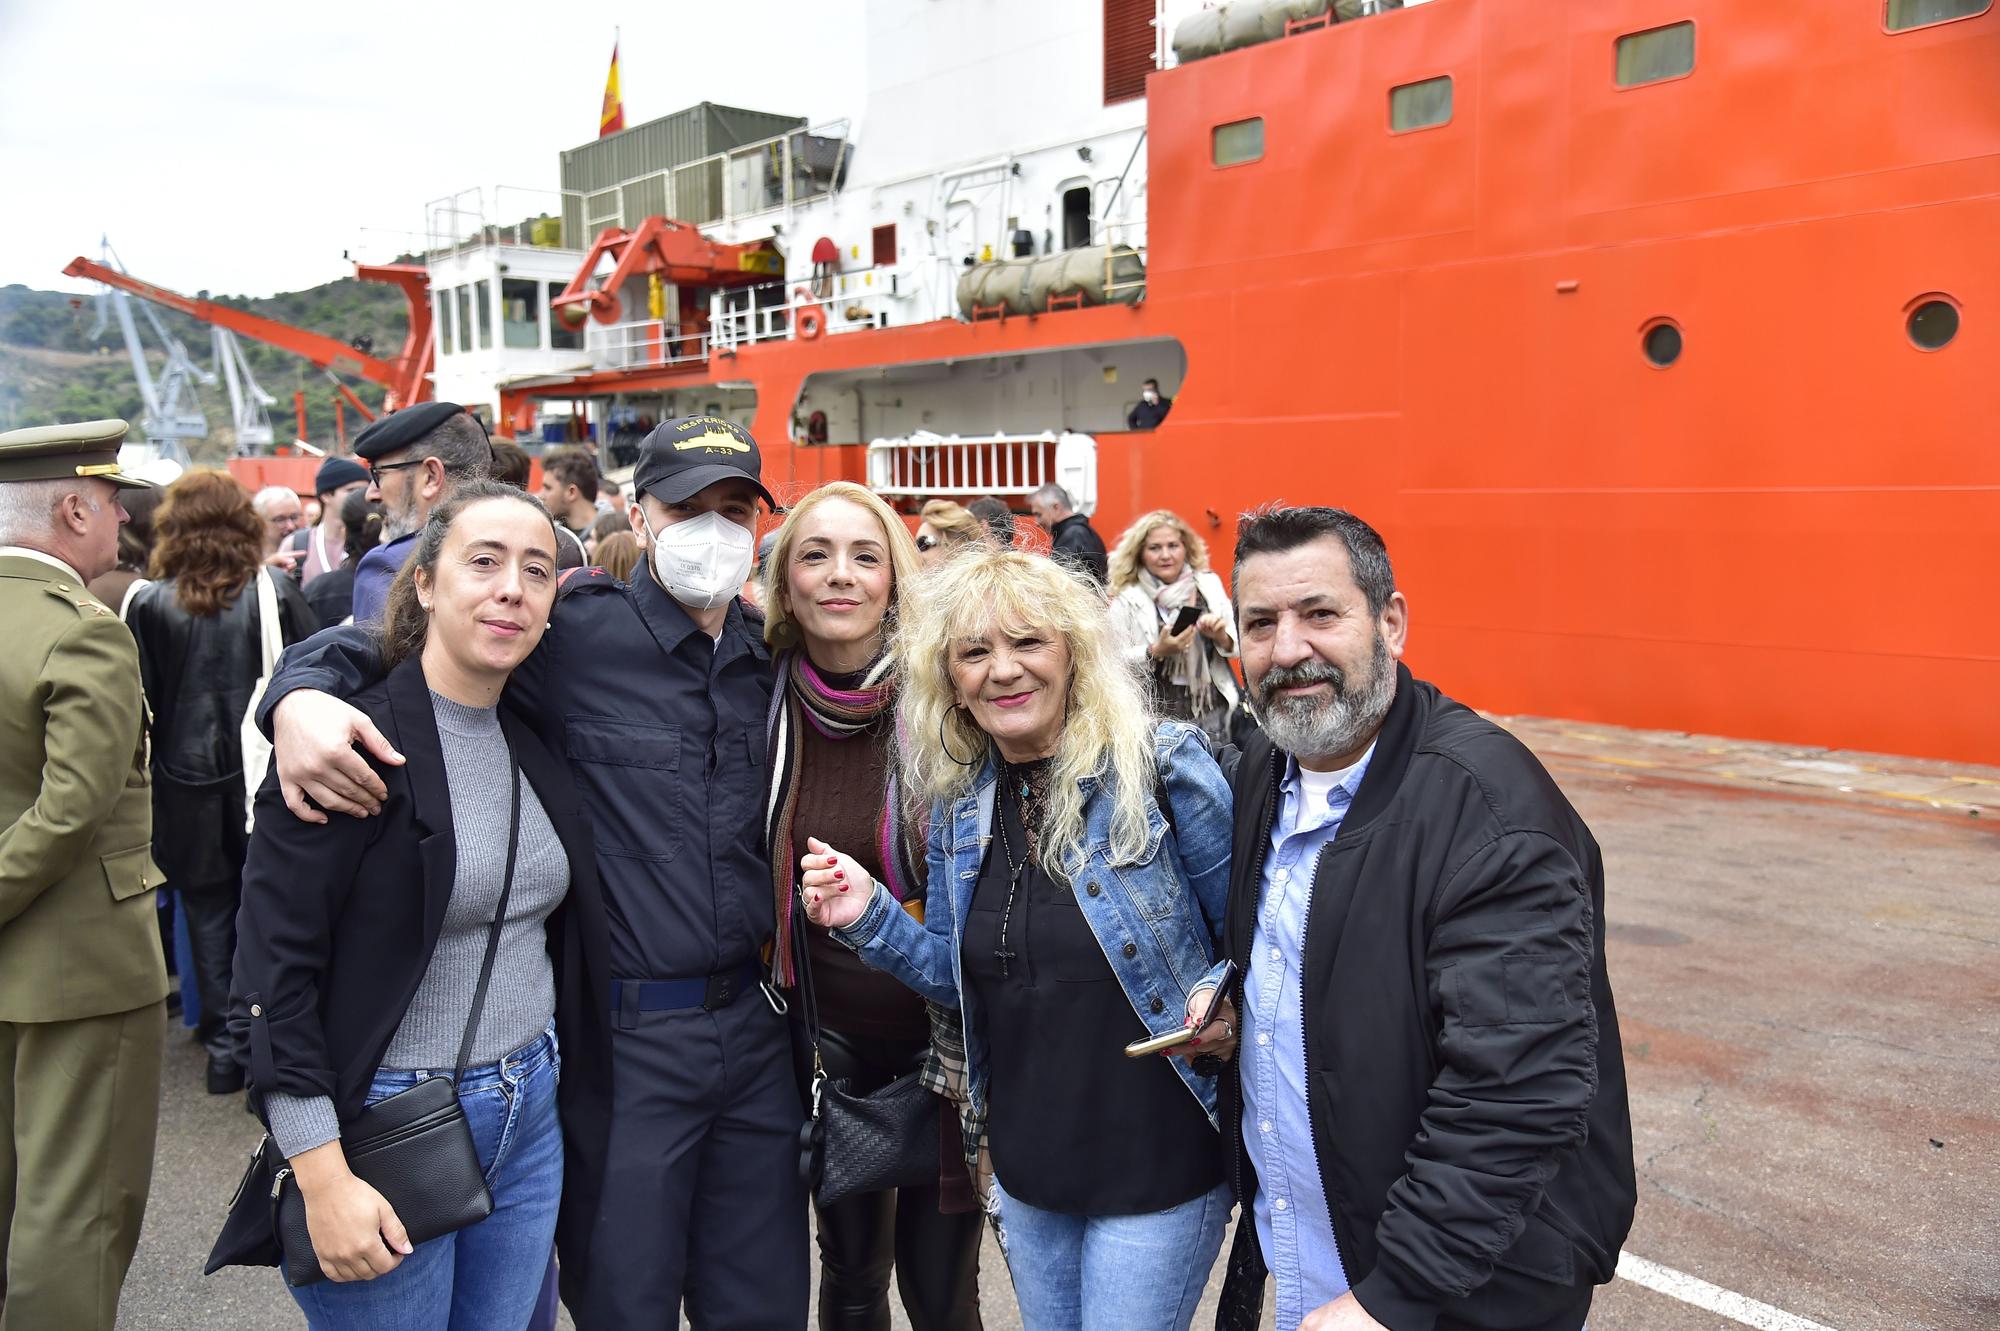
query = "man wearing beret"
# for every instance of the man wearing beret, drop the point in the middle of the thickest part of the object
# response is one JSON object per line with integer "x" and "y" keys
{"x": 680, "y": 1113}
{"x": 322, "y": 546}
{"x": 81, "y": 975}
{"x": 416, "y": 457}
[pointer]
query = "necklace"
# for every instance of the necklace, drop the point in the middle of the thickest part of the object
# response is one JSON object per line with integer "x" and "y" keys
{"x": 1017, "y": 784}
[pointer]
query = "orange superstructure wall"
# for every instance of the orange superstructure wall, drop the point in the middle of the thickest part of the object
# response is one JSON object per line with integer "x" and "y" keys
{"x": 1794, "y": 531}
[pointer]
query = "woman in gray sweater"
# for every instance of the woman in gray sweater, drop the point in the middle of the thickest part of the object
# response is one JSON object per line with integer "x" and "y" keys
{"x": 362, "y": 939}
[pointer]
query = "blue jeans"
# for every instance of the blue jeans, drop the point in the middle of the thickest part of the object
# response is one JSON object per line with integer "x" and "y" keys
{"x": 484, "y": 1277}
{"x": 1111, "y": 1272}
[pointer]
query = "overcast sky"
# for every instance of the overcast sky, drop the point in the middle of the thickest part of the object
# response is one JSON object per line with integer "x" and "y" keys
{"x": 241, "y": 147}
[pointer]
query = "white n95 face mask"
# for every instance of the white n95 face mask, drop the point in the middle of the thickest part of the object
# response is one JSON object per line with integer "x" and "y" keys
{"x": 703, "y": 561}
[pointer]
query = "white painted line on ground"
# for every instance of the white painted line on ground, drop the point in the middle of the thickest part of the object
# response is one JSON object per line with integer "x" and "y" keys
{"x": 1680, "y": 1285}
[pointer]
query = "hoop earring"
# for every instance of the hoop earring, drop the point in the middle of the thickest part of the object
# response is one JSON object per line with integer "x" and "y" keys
{"x": 947, "y": 747}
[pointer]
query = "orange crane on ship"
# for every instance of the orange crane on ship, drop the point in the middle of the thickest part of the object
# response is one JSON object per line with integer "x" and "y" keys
{"x": 406, "y": 378}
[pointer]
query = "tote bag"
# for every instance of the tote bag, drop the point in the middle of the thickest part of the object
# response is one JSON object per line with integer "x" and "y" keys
{"x": 257, "y": 749}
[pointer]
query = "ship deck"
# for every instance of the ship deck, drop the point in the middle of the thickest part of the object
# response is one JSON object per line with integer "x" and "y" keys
{"x": 1804, "y": 947}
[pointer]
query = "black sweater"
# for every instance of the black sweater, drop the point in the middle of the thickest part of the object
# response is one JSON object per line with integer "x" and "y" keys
{"x": 1465, "y": 1078}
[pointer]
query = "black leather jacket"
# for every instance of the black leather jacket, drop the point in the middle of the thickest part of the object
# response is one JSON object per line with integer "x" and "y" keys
{"x": 199, "y": 672}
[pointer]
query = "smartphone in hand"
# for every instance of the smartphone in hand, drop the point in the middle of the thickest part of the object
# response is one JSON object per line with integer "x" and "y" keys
{"x": 1186, "y": 619}
{"x": 1155, "y": 1044}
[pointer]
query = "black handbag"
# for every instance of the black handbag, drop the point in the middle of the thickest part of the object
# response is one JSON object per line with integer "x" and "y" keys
{"x": 413, "y": 1147}
{"x": 855, "y": 1144}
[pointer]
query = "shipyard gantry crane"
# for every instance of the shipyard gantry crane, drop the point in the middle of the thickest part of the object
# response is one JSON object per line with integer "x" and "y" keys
{"x": 406, "y": 378}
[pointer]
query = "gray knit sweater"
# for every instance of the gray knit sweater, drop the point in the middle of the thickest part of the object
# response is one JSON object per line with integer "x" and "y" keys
{"x": 521, "y": 997}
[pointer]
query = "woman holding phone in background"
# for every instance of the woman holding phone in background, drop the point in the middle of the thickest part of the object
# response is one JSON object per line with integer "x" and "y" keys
{"x": 1068, "y": 916}
{"x": 1171, "y": 616}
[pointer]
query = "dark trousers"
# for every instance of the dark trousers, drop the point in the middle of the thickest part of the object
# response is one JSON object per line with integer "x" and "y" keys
{"x": 210, "y": 911}
{"x": 702, "y": 1200}
{"x": 935, "y": 1256}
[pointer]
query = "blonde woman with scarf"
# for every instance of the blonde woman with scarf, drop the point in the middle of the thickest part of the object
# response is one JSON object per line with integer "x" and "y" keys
{"x": 1158, "y": 568}
{"x": 836, "y": 571}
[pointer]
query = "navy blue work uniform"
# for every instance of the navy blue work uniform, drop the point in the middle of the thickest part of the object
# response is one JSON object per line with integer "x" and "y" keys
{"x": 376, "y": 571}
{"x": 680, "y": 1111}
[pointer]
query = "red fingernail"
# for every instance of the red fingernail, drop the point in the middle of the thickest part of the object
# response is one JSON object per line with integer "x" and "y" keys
{"x": 832, "y": 860}
{"x": 843, "y": 887}
{"x": 840, "y": 873}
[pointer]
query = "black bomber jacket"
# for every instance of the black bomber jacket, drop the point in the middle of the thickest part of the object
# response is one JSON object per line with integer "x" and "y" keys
{"x": 1464, "y": 1073}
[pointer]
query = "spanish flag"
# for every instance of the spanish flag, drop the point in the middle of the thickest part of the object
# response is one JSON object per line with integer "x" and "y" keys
{"x": 612, "y": 118}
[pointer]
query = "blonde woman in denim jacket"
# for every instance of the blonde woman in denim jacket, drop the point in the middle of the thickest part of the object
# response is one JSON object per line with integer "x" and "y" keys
{"x": 1080, "y": 916}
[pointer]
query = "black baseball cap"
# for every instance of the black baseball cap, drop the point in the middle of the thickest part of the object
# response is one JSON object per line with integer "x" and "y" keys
{"x": 684, "y": 456}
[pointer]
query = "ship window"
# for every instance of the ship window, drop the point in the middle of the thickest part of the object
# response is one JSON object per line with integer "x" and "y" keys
{"x": 482, "y": 296}
{"x": 444, "y": 323}
{"x": 1661, "y": 341}
{"x": 885, "y": 246}
{"x": 1420, "y": 105}
{"x": 1932, "y": 321}
{"x": 464, "y": 295}
{"x": 1655, "y": 55}
{"x": 520, "y": 313}
{"x": 1239, "y": 141}
{"x": 1076, "y": 217}
{"x": 561, "y": 336}
{"x": 1903, "y": 14}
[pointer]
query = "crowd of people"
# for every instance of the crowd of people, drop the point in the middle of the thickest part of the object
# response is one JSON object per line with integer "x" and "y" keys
{"x": 655, "y": 889}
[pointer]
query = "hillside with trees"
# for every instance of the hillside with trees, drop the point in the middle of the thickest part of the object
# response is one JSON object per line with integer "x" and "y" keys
{"x": 52, "y": 371}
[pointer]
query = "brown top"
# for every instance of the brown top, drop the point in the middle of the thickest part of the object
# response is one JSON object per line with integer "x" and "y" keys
{"x": 842, "y": 785}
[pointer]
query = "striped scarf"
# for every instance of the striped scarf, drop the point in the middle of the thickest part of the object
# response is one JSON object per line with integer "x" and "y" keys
{"x": 804, "y": 698}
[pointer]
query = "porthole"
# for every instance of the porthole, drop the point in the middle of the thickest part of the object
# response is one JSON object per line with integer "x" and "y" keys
{"x": 1661, "y": 342}
{"x": 1932, "y": 322}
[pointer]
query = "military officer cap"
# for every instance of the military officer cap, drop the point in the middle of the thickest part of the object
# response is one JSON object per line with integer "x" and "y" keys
{"x": 64, "y": 452}
{"x": 400, "y": 429}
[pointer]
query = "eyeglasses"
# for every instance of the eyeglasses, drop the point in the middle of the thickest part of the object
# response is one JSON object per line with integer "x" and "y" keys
{"x": 926, "y": 543}
{"x": 380, "y": 467}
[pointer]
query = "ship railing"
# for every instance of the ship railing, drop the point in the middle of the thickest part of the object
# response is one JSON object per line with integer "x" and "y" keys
{"x": 641, "y": 343}
{"x": 469, "y": 219}
{"x": 772, "y": 175}
{"x": 949, "y": 466}
{"x": 737, "y": 318}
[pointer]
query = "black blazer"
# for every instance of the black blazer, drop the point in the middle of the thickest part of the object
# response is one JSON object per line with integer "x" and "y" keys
{"x": 339, "y": 921}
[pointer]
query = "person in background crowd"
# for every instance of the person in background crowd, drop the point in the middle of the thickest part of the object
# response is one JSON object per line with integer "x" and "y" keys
{"x": 415, "y": 458}
{"x": 200, "y": 633}
{"x": 1150, "y": 409}
{"x": 605, "y": 524}
{"x": 1159, "y": 570}
{"x": 322, "y": 546}
{"x": 282, "y": 514}
{"x": 309, "y": 511}
{"x": 81, "y": 978}
{"x": 1065, "y": 920}
{"x": 999, "y": 519}
{"x": 835, "y": 574}
{"x": 569, "y": 488}
{"x": 1073, "y": 541}
{"x": 511, "y": 464}
{"x": 680, "y": 1113}
{"x": 1455, "y": 903}
{"x": 135, "y": 551}
{"x": 618, "y": 554}
{"x": 331, "y": 596}
{"x": 945, "y": 527}
{"x": 360, "y": 968}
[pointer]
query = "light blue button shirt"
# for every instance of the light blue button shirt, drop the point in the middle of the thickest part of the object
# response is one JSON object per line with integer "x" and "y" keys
{"x": 1294, "y": 1223}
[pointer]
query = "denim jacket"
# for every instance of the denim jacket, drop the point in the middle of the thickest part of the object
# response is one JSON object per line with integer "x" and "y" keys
{"x": 1157, "y": 919}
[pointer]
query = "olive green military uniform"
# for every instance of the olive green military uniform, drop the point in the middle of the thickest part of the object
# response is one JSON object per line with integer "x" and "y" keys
{"x": 81, "y": 976}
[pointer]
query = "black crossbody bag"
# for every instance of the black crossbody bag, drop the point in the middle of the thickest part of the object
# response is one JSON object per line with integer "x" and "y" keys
{"x": 854, "y": 1144}
{"x": 414, "y": 1147}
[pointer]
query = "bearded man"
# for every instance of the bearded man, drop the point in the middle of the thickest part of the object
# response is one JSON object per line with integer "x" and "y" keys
{"x": 1428, "y": 1113}
{"x": 416, "y": 457}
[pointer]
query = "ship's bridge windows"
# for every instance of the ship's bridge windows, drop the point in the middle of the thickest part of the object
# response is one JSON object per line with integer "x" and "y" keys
{"x": 1660, "y": 340}
{"x": 520, "y": 312}
{"x": 561, "y": 336}
{"x": 1420, "y": 105}
{"x": 1902, "y": 15}
{"x": 464, "y": 297}
{"x": 444, "y": 334}
{"x": 1655, "y": 55}
{"x": 482, "y": 297}
{"x": 1237, "y": 142}
{"x": 1932, "y": 321}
